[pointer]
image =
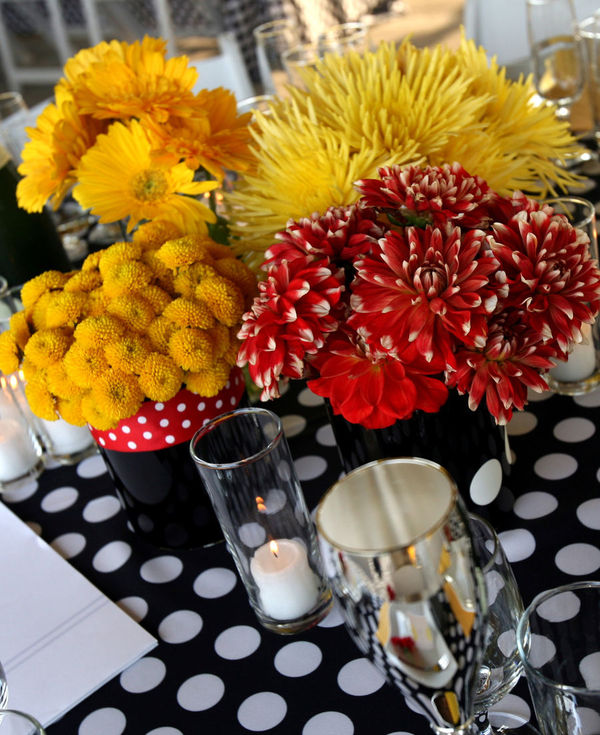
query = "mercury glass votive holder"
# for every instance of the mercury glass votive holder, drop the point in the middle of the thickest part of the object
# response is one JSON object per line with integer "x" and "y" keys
{"x": 244, "y": 461}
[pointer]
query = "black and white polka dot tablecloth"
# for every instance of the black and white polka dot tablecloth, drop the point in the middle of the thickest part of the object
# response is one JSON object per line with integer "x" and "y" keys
{"x": 216, "y": 670}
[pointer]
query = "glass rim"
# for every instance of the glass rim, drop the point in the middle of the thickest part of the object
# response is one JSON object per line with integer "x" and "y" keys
{"x": 30, "y": 718}
{"x": 523, "y": 629}
{"x": 493, "y": 537}
{"x": 454, "y": 495}
{"x": 586, "y": 203}
{"x": 271, "y": 28}
{"x": 224, "y": 417}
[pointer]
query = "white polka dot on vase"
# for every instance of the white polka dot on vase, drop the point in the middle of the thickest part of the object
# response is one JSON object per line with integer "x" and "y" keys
{"x": 237, "y": 642}
{"x": 308, "y": 399}
{"x": 213, "y": 583}
{"x": 200, "y": 692}
{"x": 589, "y": 667}
{"x": 59, "y": 499}
{"x": 310, "y": 467}
{"x": 143, "y": 676}
{"x": 560, "y": 607}
{"x": 293, "y": 424}
{"x": 588, "y": 514}
{"x": 588, "y": 400}
{"x": 180, "y": 626}
{"x": 101, "y": 509}
{"x": 161, "y": 569}
{"x": 252, "y": 534}
{"x": 555, "y": 466}
{"x": 325, "y": 436}
{"x": 164, "y": 731}
{"x": 111, "y": 556}
{"x": 22, "y": 492}
{"x": 535, "y": 504}
{"x": 574, "y": 430}
{"x": 262, "y": 711}
{"x": 518, "y": 544}
{"x": 91, "y": 467}
{"x": 164, "y": 423}
{"x": 359, "y": 678}
{"x": 181, "y": 407}
{"x": 578, "y": 559}
{"x": 105, "y": 721}
{"x": 136, "y": 607}
{"x": 522, "y": 422}
{"x": 329, "y": 723}
{"x": 159, "y": 407}
{"x": 69, "y": 544}
{"x": 298, "y": 659}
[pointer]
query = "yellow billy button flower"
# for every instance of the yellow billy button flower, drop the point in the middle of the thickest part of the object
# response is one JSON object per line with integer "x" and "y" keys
{"x": 48, "y": 346}
{"x": 36, "y": 287}
{"x": 133, "y": 310}
{"x": 209, "y": 382}
{"x": 126, "y": 278}
{"x": 160, "y": 378}
{"x": 160, "y": 332}
{"x": 85, "y": 281}
{"x": 40, "y": 400}
{"x": 238, "y": 272}
{"x": 151, "y": 235}
{"x": 66, "y": 309}
{"x": 94, "y": 416}
{"x": 117, "y": 394}
{"x": 9, "y": 353}
{"x": 36, "y": 315}
{"x": 70, "y": 409}
{"x": 19, "y": 328}
{"x": 158, "y": 297}
{"x": 189, "y": 313}
{"x": 97, "y": 331}
{"x": 92, "y": 261}
{"x": 184, "y": 251}
{"x": 85, "y": 365}
{"x": 117, "y": 253}
{"x": 59, "y": 383}
{"x": 225, "y": 299}
{"x": 192, "y": 349}
{"x": 187, "y": 279}
{"x": 127, "y": 354}
{"x": 220, "y": 338}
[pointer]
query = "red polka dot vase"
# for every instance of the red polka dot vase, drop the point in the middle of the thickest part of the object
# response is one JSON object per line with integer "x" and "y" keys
{"x": 148, "y": 459}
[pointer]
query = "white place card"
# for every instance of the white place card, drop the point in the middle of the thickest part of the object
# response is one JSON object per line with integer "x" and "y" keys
{"x": 60, "y": 637}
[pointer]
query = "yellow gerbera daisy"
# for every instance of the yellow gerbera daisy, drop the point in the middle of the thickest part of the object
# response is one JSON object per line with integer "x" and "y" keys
{"x": 119, "y": 178}
{"x": 160, "y": 378}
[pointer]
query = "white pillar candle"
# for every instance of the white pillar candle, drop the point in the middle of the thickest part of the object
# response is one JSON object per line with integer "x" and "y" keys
{"x": 66, "y": 438}
{"x": 287, "y": 586}
{"x": 581, "y": 362}
{"x": 17, "y": 453}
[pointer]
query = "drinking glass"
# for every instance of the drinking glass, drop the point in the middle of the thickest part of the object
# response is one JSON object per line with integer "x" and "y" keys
{"x": 3, "y": 688}
{"x": 245, "y": 463}
{"x": 13, "y": 722}
{"x": 558, "y": 639}
{"x": 344, "y": 37}
{"x": 13, "y": 120}
{"x": 399, "y": 555}
{"x": 297, "y": 59}
{"x": 272, "y": 40}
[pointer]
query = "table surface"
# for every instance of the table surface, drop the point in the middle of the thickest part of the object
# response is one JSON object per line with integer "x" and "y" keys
{"x": 215, "y": 669}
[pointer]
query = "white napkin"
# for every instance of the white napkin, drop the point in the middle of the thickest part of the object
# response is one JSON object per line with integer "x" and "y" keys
{"x": 60, "y": 637}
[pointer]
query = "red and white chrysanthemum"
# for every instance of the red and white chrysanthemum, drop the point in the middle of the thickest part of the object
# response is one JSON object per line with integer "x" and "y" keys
{"x": 428, "y": 287}
{"x": 432, "y": 195}
{"x": 289, "y": 319}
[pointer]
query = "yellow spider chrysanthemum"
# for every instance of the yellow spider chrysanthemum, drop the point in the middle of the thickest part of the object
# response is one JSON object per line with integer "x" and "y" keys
{"x": 40, "y": 400}
{"x": 192, "y": 349}
{"x": 393, "y": 106}
{"x": 66, "y": 309}
{"x": 126, "y": 278}
{"x": 225, "y": 299}
{"x": 184, "y": 251}
{"x": 152, "y": 235}
{"x": 48, "y": 346}
{"x": 39, "y": 285}
{"x": 127, "y": 354}
{"x": 19, "y": 328}
{"x": 117, "y": 394}
{"x": 190, "y": 313}
{"x": 160, "y": 332}
{"x": 97, "y": 331}
{"x": 208, "y": 382}
{"x": 160, "y": 378}
{"x": 119, "y": 179}
{"x": 9, "y": 353}
{"x": 133, "y": 309}
{"x": 85, "y": 365}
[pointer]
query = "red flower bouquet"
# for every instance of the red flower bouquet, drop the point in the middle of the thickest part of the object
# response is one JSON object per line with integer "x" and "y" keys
{"x": 430, "y": 281}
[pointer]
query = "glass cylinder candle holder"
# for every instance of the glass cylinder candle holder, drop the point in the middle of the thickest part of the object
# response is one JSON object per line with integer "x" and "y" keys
{"x": 245, "y": 463}
{"x": 66, "y": 443}
{"x": 580, "y": 372}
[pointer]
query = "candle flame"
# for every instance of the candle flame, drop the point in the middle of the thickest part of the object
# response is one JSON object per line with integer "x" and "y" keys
{"x": 14, "y": 383}
{"x": 260, "y": 504}
{"x": 274, "y": 548}
{"x": 3, "y": 383}
{"x": 412, "y": 554}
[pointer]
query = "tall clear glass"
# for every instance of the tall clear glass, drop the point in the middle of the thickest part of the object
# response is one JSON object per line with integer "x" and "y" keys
{"x": 272, "y": 40}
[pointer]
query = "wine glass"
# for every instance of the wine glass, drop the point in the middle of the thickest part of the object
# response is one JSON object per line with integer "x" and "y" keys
{"x": 3, "y": 688}
{"x": 13, "y": 722}
{"x": 399, "y": 555}
{"x": 558, "y": 57}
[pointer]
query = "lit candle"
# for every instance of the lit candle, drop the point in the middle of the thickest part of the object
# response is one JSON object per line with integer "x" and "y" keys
{"x": 17, "y": 453}
{"x": 287, "y": 585}
{"x": 581, "y": 362}
{"x": 66, "y": 438}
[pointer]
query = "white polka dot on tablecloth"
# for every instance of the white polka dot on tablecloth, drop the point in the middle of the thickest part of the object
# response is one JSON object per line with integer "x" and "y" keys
{"x": 541, "y": 650}
{"x": 589, "y": 667}
{"x": 299, "y": 658}
{"x": 588, "y": 513}
{"x": 252, "y": 534}
{"x": 588, "y": 720}
{"x": 200, "y": 692}
{"x": 262, "y": 711}
{"x": 511, "y": 711}
{"x": 213, "y": 583}
{"x": 359, "y": 678}
{"x": 293, "y": 424}
{"x": 101, "y": 509}
{"x": 560, "y": 607}
{"x": 91, "y": 467}
{"x": 518, "y": 544}
{"x": 22, "y": 492}
{"x": 333, "y": 618}
{"x": 69, "y": 544}
{"x": 555, "y": 466}
{"x": 578, "y": 559}
{"x": 144, "y": 675}
{"x": 111, "y": 556}
{"x": 180, "y": 626}
{"x": 59, "y": 499}
{"x": 400, "y": 732}
{"x": 329, "y": 723}
{"x": 325, "y": 436}
{"x": 308, "y": 399}
{"x": 535, "y": 504}
{"x": 522, "y": 422}
{"x": 161, "y": 569}
{"x": 274, "y": 501}
{"x": 573, "y": 430}
{"x": 588, "y": 400}
{"x": 136, "y": 607}
{"x": 105, "y": 721}
{"x": 310, "y": 467}
{"x": 535, "y": 397}
{"x": 507, "y": 642}
{"x": 237, "y": 642}
{"x": 164, "y": 731}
